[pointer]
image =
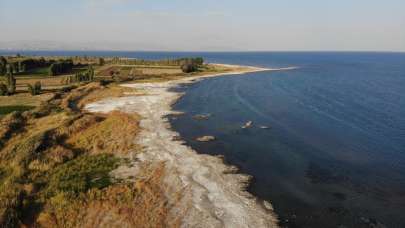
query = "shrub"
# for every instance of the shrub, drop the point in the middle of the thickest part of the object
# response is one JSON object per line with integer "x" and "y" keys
{"x": 101, "y": 61}
{"x": 83, "y": 173}
{"x": 3, "y": 89}
{"x": 104, "y": 82}
{"x": 34, "y": 89}
{"x": 68, "y": 88}
{"x": 11, "y": 83}
{"x": 199, "y": 61}
{"x": 188, "y": 68}
{"x": 60, "y": 67}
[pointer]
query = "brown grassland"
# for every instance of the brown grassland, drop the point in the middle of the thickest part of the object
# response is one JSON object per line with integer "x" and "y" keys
{"x": 56, "y": 159}
{"x": 55, "y": 162}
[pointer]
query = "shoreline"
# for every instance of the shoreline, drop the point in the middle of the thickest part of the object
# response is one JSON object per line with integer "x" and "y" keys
{"x": 215, "y": 195}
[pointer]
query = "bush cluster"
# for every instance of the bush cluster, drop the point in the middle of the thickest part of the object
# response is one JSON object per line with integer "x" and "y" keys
{"x": 34, "y": 89}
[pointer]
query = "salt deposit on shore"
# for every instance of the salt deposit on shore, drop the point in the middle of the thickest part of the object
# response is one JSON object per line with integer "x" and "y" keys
{"x": 214, "y": 195}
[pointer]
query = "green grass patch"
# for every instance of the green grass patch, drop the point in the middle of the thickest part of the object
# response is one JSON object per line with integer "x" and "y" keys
{"x": 83, "y": 173}
{"x": 4, "y": 110}
{"x": 40, "y": 71}
{"x": 79, "y": 70}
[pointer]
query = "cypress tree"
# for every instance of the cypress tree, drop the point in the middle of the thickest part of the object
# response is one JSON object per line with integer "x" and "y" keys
{"x": 11, "y": 83}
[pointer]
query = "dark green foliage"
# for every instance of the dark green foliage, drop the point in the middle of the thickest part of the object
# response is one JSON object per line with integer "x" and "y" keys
{"x": 30, "y": 64}
{"x": 199, "y": 61}
{"x": 101, "y": 61}
{"x": 3, "y": 65}
{"x": 68, "y": 88}
{"x": 3, "y": 89}
{"x": 11, "y": 83}
{"x": 34, "y": 89}
{"x": 90, "y": 72}
{"x": 60, "y": 67}
{"x": 104, "y": 82}
{"x": 9, "y": 69}
{"x": 167, "y": 62}
{"x": 188, "y": 67}
{"x": 52, "y": 70}
{"x": 83, "y": 173}
{"x": 3, "y": 61}
{"x": 12, "y": 108}
{"x": 87, "y": 76}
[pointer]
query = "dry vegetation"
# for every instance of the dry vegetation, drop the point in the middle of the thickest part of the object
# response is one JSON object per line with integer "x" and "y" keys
{"x": 139, "y": 204}
{"x": 56, "y": 160}
{"x": 55, "y": 164}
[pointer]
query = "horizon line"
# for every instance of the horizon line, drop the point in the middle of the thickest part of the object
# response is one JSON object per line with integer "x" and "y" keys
{"x": 204, "y": 51}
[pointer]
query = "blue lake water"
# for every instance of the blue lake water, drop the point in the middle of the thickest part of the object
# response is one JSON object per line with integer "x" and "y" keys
{"x": 335, "y": 151}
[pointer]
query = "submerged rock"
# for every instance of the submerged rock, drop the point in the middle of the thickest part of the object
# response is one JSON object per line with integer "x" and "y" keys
{"x": 206, "y": 138}
{"x": 176, "y": 138}
{"x": 247, "y": 125}
{"x": 201, "y": 117}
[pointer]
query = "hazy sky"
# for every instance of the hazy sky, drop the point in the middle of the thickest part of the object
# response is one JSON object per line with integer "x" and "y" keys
{"x": 212, "y": 25}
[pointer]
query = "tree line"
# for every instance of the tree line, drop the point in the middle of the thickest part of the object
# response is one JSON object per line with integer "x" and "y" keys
{"x": 167, "y": 62}
{"x": 60, "y": 67}
{"x": 23, "y": 65}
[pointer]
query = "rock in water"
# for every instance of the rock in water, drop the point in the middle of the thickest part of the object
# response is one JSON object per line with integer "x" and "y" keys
{"x": 206, "y": 138}
{"x": 201, "y": 117}
{"x": 247, "y": 125}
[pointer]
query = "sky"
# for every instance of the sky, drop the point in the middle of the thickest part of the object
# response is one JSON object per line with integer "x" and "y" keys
{"x": 208, "y": 25}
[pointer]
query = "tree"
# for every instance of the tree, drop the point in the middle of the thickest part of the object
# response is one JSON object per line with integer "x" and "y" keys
{"x": 199, "y": 61}
{"x": 34, "y": 89}
{"x": 60, "y": 67}
{"x": 3, "y": 65}
{"x": 11, "y": 83}
{"x": 91, "y": 73}
{"x": 188, "y": 68}
{"x": 52, "y": 70}
{"x": 3, "y": 89}
{"x": 3, "y": 61}
{"x": 101, "y": 61}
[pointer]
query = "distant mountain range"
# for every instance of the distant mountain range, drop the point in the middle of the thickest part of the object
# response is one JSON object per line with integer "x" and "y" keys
{"x": 98, "y": 45}
{"x": 59, "y": 45}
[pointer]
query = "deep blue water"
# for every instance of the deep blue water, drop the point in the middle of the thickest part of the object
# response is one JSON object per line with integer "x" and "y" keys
{"x": 335, "y": 152}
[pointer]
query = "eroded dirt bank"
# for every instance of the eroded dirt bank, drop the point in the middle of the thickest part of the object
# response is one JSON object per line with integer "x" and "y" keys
{"x": 212, "y": 194}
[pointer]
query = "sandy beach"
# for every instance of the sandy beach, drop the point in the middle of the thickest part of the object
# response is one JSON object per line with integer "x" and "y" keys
{"x": 213, "y": 194}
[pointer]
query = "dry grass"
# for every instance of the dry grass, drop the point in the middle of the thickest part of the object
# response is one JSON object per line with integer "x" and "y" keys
{"x": 46, "y": 82}
{"x": 112, "y": 90}
{"x": 93, "y": 92}
{"x": 140, "y": 70}
{"x": 70, "y": 102}
{"x": 114, "y": 135}
{"x": 42, "y": 150}
{"x": 140, "y": 204}
{"x": 24, "y": 99}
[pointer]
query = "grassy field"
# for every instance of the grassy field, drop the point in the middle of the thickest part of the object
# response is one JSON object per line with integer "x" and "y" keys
{"x": 56, "y": 82}
{"x": 55, "y": 166}
{"x": 126, "y": 70}
{"x": 24, "y": 99}
{"x": 11, "y": 108}
{"x": 41, "y": 71}
{"x": 56, "y": 160}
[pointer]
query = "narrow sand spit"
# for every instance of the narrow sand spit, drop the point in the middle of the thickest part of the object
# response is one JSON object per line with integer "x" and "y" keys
{"x": 213, "y": 195}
